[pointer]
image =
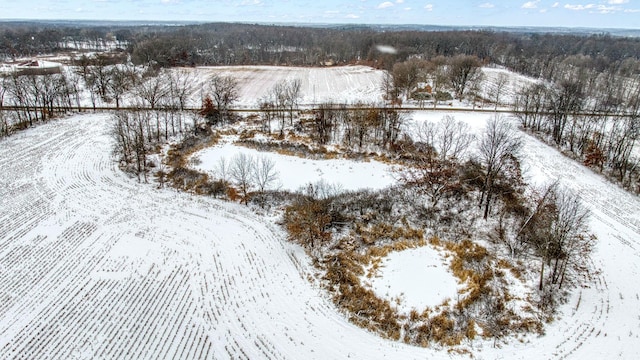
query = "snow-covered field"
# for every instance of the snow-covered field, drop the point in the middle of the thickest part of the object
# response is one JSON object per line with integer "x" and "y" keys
{"x": 95, "y": 265}
{"x": 338, "y": 84}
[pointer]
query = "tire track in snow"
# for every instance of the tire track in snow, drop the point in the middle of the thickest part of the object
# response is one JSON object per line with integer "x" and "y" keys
{"x": 145, "y": 273}
{"x": 110, "y": 268}
{"x": 614, "y": 218}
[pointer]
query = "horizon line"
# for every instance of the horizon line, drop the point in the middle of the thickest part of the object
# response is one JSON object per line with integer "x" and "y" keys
{"x": 302, "y": 24}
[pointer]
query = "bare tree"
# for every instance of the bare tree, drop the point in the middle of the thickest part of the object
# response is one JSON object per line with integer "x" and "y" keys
{"x": 3, "y": 89}
{"x": 438, "y": 78}
{"x": 432, "y": 176}
{"x": 557, "y": 231}
{"x": 284, "y": 97}
{"x": 75, "y": 87}
{"x": 179, "y": 88}
{"x": 121, "y": 125}
{"x": 267, "y": 107}
{"x": 391, "y": 92}
{"x": 569, "y": 232}
{"x": 279, "y": 98}
{"x": 224, "y": 92}
{"x": 564, "y": 102}
{"x": 293, "y": 95}
{"x": 241, "y": 171}
{"x": 498, "y": 88}
{"x": 475, "y": 89}
{"x": 462, "y": 70}
{"x": 498, "y": 146}
{"x": 265, "y": 174}
{"x": 152, "y": 91}
{"x": 17, "y": 89}
{"x": 4, "y": 124}
{"x": 530, "y": 104}
{"x": 121, "y": 82}
{"x": 407, "y": 75}
{"x": 222, "y": 169}
{"x": 449, "y": 138}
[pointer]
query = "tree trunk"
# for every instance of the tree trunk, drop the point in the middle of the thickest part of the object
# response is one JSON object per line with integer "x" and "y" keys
{"x": 541, "y": 285}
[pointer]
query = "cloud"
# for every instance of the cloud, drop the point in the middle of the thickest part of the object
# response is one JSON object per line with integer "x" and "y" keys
{"x": 530, "y": 4}
{"x": 487, "y": 5}
{"x": 578, "y": 7}
{"x": 555, "y": 5}
{"x": 593, "y": 8}
{"x": 384, "y": 5}
{"x": 429, "y": 7}
{"x": 399, "y": 1}
{"x": 617, "y": 2}
{"x": 352, "y": 16}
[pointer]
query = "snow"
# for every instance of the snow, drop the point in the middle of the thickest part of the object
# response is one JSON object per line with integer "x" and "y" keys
{"x": 28, "y": 64}
{"x": 414, "y": 279}
{"x": 514, "y": 83}
{"x": 601, "y": 320}
{"x": 296, "y": 173}
{"x": 339, "y": 84}
{"x": 97, "y": 265}
{"x": 475, "y": 120}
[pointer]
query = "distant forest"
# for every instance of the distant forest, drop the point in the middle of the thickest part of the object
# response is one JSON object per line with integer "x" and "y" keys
{"x": 531, "y": 53}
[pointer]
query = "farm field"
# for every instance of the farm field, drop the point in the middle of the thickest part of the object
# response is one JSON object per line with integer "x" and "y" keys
{"x": 96, "y": 265}
{"x": 339, "y": 84}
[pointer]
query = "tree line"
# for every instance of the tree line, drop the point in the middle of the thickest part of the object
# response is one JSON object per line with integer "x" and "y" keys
{"x": 535, "y": 54}
{"x": 596, "y": 119}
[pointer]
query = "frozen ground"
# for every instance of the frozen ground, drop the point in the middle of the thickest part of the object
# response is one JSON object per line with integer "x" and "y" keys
{"x": 95, "y": 265}
{"x": 295, "y": 173}
{"x": 414, "y": 279}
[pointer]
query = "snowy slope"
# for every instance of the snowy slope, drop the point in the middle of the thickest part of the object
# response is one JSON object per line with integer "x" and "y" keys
{"x": 95, "y": 265}
{"x": 512, "y": 84}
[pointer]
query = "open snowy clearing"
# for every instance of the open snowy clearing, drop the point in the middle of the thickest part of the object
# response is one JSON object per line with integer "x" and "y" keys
{"x": 414, "y": 279}
{"x": 95, "y": 265}
{"x": 295, "y": 173}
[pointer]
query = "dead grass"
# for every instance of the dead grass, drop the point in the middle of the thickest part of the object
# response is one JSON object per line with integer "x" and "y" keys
{"x": 368, "y": 241}
{"x": 181, "y": 176}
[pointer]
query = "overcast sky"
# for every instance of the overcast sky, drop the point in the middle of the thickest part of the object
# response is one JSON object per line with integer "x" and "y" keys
{"x": 573, "y": 13}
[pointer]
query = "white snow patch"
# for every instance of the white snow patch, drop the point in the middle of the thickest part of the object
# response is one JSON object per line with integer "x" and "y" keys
{"x": 418, "y": 278}
{"x": 295, "y": 173}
